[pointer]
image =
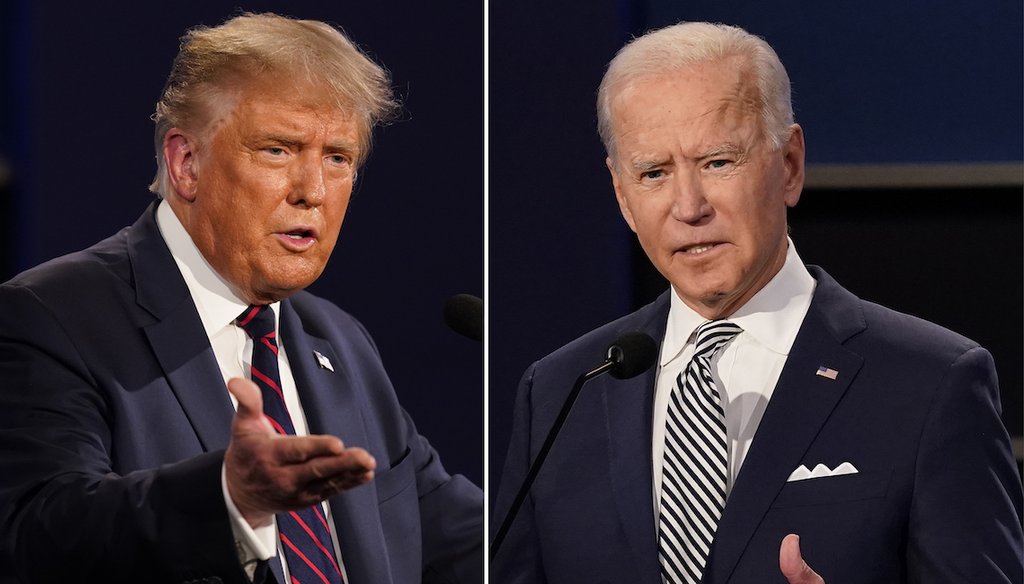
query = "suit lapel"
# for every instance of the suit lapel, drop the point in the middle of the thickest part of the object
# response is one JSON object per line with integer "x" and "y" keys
{"x": 176, "y": 335}
{"x": 184, "y": 353}
{"x": 331, "y": 407}
{"x": 628, "y": 418}
{"x": 799, "y": 406}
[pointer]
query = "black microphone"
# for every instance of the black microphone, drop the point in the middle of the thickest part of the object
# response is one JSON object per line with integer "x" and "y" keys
{"x": 464, "y": 314}
{"x": 630, "y": 355}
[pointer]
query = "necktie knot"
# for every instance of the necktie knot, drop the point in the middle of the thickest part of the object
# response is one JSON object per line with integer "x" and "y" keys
{"x": 257, "y": 321}
{"x": 712, "y": 336}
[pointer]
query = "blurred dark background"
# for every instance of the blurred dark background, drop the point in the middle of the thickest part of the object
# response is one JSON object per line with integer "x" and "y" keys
{"x": 912, "y": 113}
{"x": 78, "y": 83}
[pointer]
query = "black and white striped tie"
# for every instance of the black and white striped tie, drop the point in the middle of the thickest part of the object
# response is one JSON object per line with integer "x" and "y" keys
{"x": 695, "y": 462}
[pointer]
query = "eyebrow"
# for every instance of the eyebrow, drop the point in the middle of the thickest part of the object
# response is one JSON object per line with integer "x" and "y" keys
{"x": 345, "y": 146}
{"x": 279, "y": 139}
{"x": 646, "y": 164}
{"x": 643, "y": 165}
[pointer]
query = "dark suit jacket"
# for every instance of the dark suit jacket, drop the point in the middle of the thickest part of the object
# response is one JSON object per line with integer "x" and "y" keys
{"x": 114, "y": 417}
{"x": 915, "y": 408}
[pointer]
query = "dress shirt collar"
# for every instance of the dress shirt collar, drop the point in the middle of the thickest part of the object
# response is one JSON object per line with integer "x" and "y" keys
{"x": 216, "y": 301}
{"x": 772, "y": 316}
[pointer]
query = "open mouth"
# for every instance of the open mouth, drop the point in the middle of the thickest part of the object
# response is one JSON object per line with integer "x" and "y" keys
{"x": 699, "y": 248}
{"x": 298, "y": 239}
{"x": 299, "y": 234}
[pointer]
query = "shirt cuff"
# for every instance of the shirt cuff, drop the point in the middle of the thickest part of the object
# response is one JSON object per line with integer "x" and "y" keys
{"x": 251, "y": 544}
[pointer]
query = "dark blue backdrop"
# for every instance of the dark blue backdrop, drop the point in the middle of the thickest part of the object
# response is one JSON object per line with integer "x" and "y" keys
{"x": 874, "y": 81}
{"x": 80, "y": 82}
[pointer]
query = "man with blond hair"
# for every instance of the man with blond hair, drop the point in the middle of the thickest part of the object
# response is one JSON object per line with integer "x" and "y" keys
{"x": 173, "y": 406}
{"x": 790, "y": 432}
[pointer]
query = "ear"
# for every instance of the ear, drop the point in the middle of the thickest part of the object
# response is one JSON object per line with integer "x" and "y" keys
{"x": 793, "y": 152}
{"x": 620, "y": 196}
{"x": 180, "y": 149}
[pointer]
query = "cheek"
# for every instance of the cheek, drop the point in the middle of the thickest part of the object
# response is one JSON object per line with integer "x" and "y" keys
{"x": 651, "y": 215}
{"x": 334, "y": 213}
{"x": 240, "y": 221}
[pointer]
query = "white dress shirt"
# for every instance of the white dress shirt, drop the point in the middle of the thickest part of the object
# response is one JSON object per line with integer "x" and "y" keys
{"x": 745, "y": 370}
{"x": 218, "y": 306}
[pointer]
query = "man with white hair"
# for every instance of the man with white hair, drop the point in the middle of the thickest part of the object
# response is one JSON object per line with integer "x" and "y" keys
{"x": 790, "y": 431}
{"x": 173, "y": 406}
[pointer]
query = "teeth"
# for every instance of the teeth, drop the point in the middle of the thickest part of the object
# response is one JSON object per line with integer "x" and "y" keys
{"x": 698, "y": 249}
{"x": 294, "y": 235}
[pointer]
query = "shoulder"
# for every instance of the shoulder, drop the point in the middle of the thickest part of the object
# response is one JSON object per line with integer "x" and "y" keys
{"x": 104, "y": 264}
{"x": 73, "y": 287}
{"x": 890, "y": 329}
{"x": 874, "y": 329}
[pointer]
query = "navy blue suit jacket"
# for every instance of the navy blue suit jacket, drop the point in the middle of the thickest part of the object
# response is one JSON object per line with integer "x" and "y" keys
{"x": 114, "y": 417}
{"x": 915, "y": 408}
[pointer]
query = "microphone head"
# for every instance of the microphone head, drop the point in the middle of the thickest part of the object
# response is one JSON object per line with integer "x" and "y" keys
{"x": 464, "y": 314}
{"x": 632, "y": 354}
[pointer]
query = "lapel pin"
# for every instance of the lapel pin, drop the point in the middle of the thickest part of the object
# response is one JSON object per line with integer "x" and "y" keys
{"x": 325, "y": 363}
{"x": 826, "y": 372}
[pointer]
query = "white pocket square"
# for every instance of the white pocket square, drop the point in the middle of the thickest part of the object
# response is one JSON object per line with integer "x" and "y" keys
{"x": 801, "y": 473}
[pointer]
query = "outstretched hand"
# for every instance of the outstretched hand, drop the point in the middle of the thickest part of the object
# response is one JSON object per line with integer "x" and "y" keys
{"x": 792, "y": 564}
{"x": 267, "y": 473}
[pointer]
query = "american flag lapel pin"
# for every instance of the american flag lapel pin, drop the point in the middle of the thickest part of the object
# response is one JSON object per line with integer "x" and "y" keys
{"x": 325, "y": 363}
{"x": 827, "y": 373}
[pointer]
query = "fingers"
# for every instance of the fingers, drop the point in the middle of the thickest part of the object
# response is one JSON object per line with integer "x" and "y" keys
{"x": 331, "y": 475}
{"x": 249, "y": 412}
{"x": 299, "y": 449}
{"x": 792, "y": 564}
{"x": 291, "y": 472}
{"x": 321, "y": 464}
{"x": 267, "y": 473}
{"x": 250, "y": 402}
{"x": 320, "y": 458}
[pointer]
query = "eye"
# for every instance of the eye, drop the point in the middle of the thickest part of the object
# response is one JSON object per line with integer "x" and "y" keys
{"x": 719, "y": 163}
{"x": 339, "y": 159}
{"x": 653, "y": 174}
{"x": 275, "y": 151}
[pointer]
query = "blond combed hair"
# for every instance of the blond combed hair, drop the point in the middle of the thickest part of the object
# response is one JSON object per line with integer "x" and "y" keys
{"x": 214, "y": 62}
{"x": 687, "y": 44}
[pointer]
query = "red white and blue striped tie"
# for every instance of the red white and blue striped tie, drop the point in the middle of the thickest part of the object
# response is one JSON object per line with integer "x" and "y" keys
{"x": 695, "y": 462}
{"x": 305, "y": 537}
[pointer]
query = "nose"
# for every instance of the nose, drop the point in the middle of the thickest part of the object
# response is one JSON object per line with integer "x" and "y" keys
{"x": 689, "y": 200}
{"x": 308, "y": 187}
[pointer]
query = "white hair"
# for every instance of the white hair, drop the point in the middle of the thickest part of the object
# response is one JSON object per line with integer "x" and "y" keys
{"x": 687, "y": 44}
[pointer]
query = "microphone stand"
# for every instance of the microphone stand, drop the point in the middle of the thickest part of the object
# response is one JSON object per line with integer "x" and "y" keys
{"x": 614, "y": 357}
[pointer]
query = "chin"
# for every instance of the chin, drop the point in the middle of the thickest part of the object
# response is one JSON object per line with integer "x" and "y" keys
{"x": 287, "y": 288}
{"x": 705, "y": 287}
{"x": 278, "y": 288}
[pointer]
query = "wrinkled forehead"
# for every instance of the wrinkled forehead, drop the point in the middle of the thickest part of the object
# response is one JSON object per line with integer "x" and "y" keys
{"x": 727, "y": 82}
{"x": 270, "y": 87}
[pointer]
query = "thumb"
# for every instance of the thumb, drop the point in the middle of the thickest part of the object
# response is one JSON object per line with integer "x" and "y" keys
{"x": 249, "y": 414}
{"x": 792, "y": 564}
